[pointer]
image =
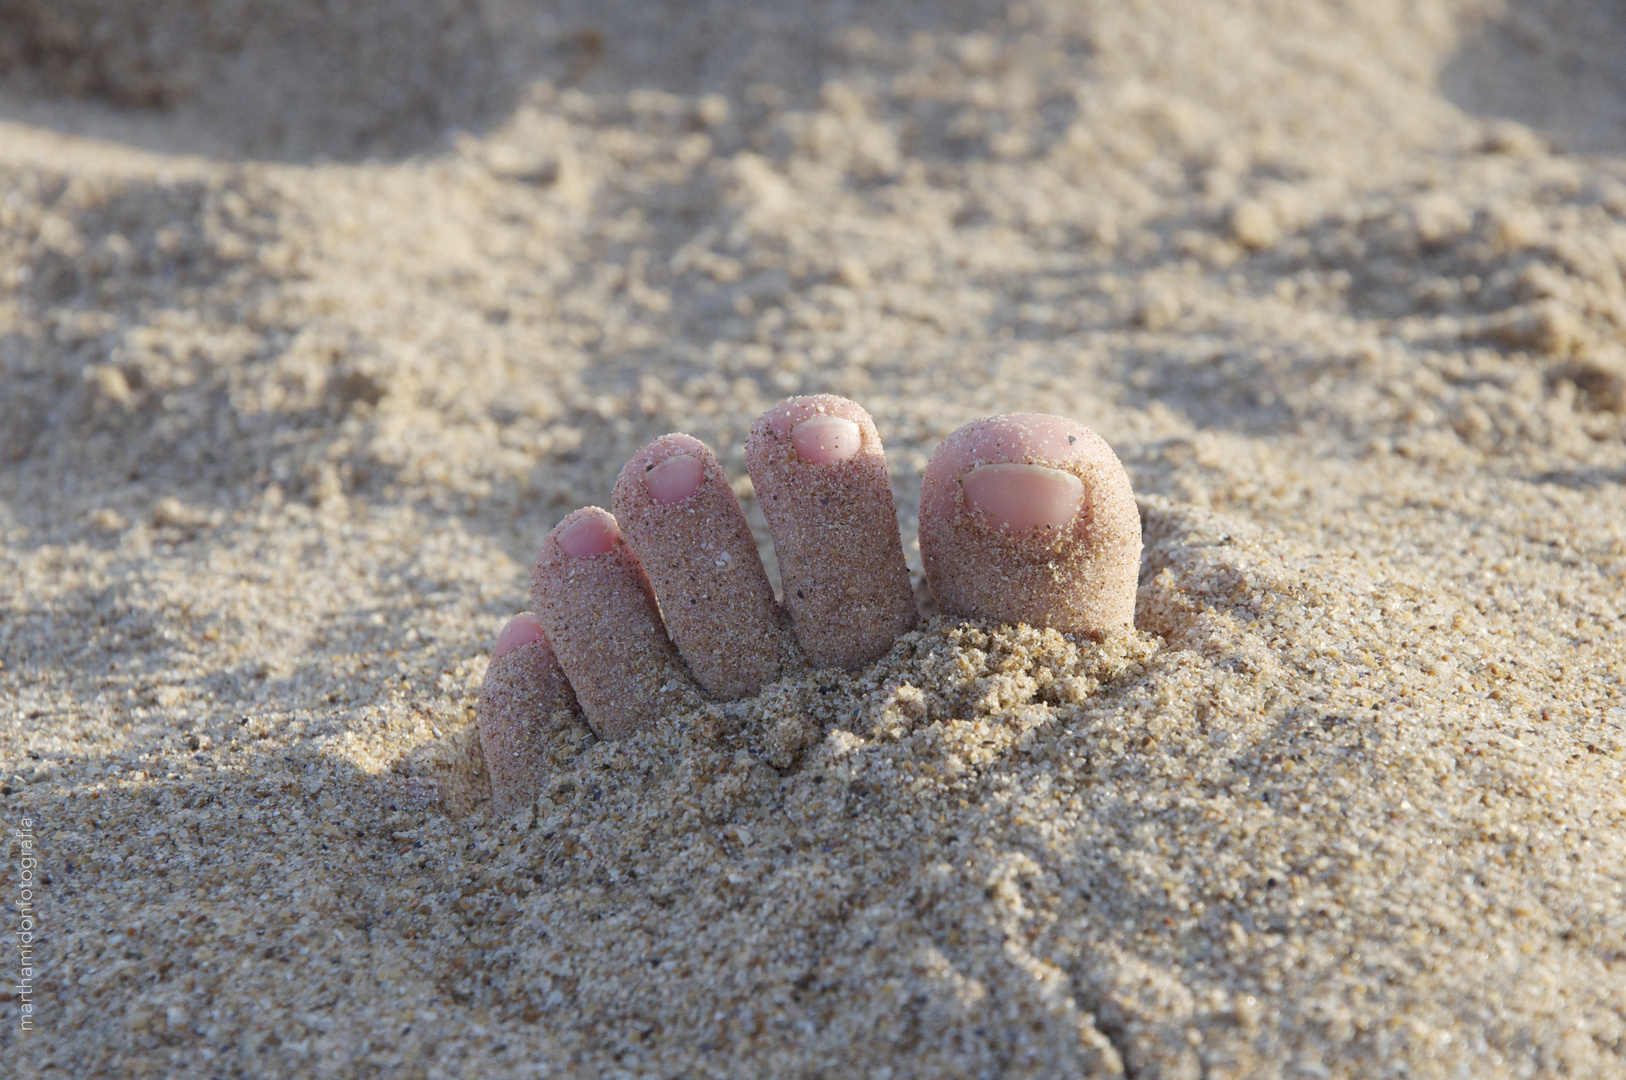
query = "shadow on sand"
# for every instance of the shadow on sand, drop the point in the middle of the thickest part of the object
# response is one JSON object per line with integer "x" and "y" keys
{"x": 1558, "y": 66}
{"x": 345, "y": 80}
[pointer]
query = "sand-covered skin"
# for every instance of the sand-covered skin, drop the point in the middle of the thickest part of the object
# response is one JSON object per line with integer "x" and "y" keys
{"x": 599, "y": 611}
{"x": 295, "y": 375}
{"x": 716, "y": 602}
{"x": 1073, "y": 571}
{"x": 833, "y": 519}
{"x": 524, "y": 700}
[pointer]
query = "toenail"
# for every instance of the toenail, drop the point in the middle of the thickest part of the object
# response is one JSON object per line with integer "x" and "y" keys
{"x": 591, "y": 534}
{"x": 825, "y": 440}
{"x": 1022, "y": 497}
{"x": 521, "y": 630}
{"x": 674, "y": 479}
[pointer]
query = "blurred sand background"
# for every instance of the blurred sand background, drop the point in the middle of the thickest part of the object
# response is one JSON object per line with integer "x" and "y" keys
{"x": 316, "y": 314}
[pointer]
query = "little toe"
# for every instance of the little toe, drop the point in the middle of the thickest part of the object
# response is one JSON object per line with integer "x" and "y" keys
{"x": 1030, "y": 518}
{"x": 677, "y": 510}
{"x": 596, "y": 606}
{"x": 820, "y": 477}
{"x": 525, "y": 693}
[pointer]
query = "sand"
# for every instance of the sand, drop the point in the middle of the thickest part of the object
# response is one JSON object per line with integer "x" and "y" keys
{"x": 314, "y": 317}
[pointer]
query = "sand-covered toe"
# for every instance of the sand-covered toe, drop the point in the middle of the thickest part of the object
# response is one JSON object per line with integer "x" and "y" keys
{"x": 524, "y": 694}
{"x": 596, "y": 605}
{"x": 677, "y": 510}
{"x": 820, "y": 476}
{"x": 1029, "y": 518}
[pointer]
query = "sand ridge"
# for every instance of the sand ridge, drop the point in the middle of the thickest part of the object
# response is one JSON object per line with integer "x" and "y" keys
{"x": 307, "y": 339}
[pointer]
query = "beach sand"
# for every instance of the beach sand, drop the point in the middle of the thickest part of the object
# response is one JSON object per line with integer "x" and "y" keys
{"x": 315, "y": 316}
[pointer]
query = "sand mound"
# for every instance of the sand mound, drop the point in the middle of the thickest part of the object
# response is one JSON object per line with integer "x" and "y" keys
{"x": 315, "y": 316}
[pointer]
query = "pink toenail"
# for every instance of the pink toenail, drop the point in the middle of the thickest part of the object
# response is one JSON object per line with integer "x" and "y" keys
{"x": 825, "y": 440}
{"x": 591, "y": 534}
{"x": 521, "y": 630}
{"x": 674, "y": 479}
{"x": 1022, "y": 497}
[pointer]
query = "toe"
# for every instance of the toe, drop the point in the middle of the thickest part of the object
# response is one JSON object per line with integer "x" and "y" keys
{"x": 596, "y": 606}
{"x": 679, "y": 514}
{"x": 1030, "y": 518}
{"x": 525, "y": 695}
{"x": 820, "y": 477}
{"x": 583, "y": 535}
{"x": 520, "y": 630}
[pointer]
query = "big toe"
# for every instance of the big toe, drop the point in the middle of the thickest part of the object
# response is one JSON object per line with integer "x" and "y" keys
{"x": 820, "y": 477}
{"x": 1030, "y": 518}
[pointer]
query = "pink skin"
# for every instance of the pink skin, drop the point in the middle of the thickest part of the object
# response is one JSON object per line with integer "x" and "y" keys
{"x": 1030, "y": 518}
{"x": 677, "y": 511}
{"x": 816, "y": 429}
{"x": 593, "y": 532}
{"x": 1023, "y": 497}
{"x": 521, "y": 630}
{"x": 594, "y": 601}
{"x": 825, "y": 440}
{"x": 525, "y": 697}
{"x": 821, "y": 481}
{"x": 674, "y": 479}
{"x": 999, "y": 487}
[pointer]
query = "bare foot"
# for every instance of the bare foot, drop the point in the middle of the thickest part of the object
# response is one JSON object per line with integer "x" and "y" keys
{"x": 1023, "y": 518}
